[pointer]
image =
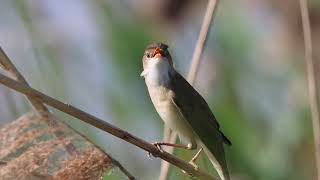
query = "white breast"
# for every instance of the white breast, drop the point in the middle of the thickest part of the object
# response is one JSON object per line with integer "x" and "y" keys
{"x": 157, "y": 80}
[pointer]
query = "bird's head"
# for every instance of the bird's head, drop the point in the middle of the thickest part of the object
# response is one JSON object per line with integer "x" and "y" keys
{"x": 156, "y": 57}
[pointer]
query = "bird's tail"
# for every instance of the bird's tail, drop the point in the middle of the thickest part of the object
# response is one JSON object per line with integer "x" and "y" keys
{"x": 221, "y": 167}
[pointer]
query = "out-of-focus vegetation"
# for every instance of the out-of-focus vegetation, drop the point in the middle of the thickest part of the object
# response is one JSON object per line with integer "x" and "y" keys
{"x": 88, "y": 53}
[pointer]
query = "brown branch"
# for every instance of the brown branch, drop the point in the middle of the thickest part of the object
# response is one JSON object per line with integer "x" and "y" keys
{"x": 193, "y": 71}
{"x": 207, "y": 21}
{"x": 41, "y": 109}
{"x": 122, "y": 169}
{"x": 37, "y": 105}
{"x": 13, "y": 72}
{"x": 312, "y": 86}
{"x": 103, "y": 125}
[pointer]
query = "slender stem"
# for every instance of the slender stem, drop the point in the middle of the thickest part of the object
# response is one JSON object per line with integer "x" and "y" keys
{"x": 122, "y": 169}
{"x": 37, "y": 105}
{"x": 42, "y": 110}
{"x": 193, "y": 71}
{"x": 207, "y": 21}
{"x": 103, "y": 125}
{"x": 312, "y": 86}
{"x": 13, "y": 72}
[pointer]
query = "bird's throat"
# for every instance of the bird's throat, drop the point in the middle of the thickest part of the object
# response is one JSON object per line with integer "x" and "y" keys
{"x": 158, "y": 74}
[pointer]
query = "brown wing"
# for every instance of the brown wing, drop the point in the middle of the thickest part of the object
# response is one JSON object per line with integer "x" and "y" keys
{"x": 195, "y": 109}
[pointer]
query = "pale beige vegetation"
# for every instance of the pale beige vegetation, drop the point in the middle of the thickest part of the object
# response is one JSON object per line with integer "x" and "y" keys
{"x": 29, "y": 150}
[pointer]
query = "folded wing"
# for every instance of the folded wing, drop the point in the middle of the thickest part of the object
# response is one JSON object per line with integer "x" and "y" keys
{"x": 196, "y": 111}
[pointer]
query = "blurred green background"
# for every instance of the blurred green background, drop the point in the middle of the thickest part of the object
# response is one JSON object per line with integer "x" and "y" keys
{"x": 88, "y": 53}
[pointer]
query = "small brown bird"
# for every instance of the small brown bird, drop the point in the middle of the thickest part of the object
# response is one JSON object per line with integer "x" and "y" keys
{"x": 182, "y": 108}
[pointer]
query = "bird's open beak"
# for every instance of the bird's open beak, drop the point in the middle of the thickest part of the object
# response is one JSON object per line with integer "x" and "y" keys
{"x": 158, "y": 53}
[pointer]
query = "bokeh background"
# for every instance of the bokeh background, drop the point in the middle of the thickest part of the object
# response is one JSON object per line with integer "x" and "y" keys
{"x": 88, "y": 53}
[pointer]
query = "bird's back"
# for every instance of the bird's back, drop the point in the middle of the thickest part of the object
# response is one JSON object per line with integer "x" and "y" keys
{"x": 199, "y": 116}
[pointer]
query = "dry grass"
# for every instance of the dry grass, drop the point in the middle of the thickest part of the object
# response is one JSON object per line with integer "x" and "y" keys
{"x": 89, "y": 165}
{"x": 30, "y": 149}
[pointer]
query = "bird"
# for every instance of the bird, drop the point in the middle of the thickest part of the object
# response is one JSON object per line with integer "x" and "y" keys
{"x": 183, "y": 109}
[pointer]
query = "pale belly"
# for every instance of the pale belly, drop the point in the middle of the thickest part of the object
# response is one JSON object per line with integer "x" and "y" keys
{"x": 171, "y": 115}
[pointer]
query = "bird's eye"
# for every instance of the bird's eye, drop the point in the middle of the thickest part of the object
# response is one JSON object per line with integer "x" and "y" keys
{"x": 148, "y": 55}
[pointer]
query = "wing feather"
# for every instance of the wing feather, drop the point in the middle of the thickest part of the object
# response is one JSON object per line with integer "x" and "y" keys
{"x": 193, "y": 106}
{"x": 198, "y": 114}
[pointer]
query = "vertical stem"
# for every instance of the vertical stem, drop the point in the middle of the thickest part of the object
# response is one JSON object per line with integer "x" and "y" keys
{"x": 202, "y": 39}
{"x": 13, "y": 72}
{"x": 193, "y": 71}
{"x": 312, "y": 86}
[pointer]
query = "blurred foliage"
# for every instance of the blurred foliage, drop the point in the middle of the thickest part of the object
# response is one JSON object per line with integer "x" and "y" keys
{"x": 88, "y": 53}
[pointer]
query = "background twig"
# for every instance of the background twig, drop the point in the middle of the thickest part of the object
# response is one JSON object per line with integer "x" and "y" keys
{"x": 207, "y": 21}
{"x": 103, "y": 125}
{"x": 15, "y": 74}
{"x": 42, "y": 110}
{"x": 193, "y": 71}
{"x": 312, "y": 86}
{"x": 37, "y": 105}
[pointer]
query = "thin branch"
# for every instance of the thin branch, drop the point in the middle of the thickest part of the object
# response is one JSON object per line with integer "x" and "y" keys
{"x": 312, "y": 86}
{"x": 122, "y": 169}
{"x": 37, "y": 105}
{"x": 15, "y": 74}
{"x": 103, "y": 125}
{"x": 165, "y": 166}
{"x": 193, "y": 71}
{"x": 207, "y": 21}
{"x": 42, "y": 110}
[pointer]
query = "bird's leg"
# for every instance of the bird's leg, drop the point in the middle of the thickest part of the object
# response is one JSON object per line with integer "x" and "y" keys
{"x": 160, "y": 144}
{"x": 193, "y": 160}
{"x": 195, "y": 157}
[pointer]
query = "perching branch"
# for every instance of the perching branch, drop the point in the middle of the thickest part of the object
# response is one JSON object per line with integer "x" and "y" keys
{"x": 37, "y": 105}
{"x": 41, "y": 109}
{"x": 13, "y": 72}
{"x": 103, "y": 125}
{"x": 312, "y": 83}
{"x": 193, "y": 71}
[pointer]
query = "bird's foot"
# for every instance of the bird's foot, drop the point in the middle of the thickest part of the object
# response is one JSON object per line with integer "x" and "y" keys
{"x": 193, "y": 163}
{"x": 195, "y": 166}
{"x": 195, "y": 157}
{"x": 158, "y": 145}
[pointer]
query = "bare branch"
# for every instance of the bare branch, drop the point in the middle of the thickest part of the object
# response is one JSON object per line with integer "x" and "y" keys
{"x": 193, "y": 71}
{"x": 15, "y": 74}
{"x": 42, "y": 110}
{"x": 103, "y": 125}
{"x": 312, "y": 86}
{"x": 207, "y": 21}
{"x": 38, "y": 106}
{"x": 122, "y": 169}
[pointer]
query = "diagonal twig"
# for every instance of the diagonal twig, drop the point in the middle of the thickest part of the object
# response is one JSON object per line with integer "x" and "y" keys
{"x": 42, "y": 110}
{"x": 37, "y": 105}
{"x": 312, "y": 83}
{"x": 13, "y": 72}
{"x": 122, "y": 169}
{"x": 193, "y": 71}
{"x": 103, "y": 125}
